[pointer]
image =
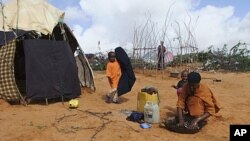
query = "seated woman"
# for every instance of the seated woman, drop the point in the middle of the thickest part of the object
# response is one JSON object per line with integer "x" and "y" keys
{"x": 200, "y": 102}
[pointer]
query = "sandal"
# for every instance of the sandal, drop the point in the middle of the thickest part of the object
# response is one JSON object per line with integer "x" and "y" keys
{"x": 108, "y": 99}
{"x": 116, "y": 102}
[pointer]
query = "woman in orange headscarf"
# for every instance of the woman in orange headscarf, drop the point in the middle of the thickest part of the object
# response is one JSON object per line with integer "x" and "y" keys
{"x": 198, "y": 99}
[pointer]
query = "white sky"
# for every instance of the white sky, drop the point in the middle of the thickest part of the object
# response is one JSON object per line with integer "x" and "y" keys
{"x": 112, "y": 22}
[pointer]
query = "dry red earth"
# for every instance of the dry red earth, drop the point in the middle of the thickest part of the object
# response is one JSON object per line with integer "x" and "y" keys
{"x": 96, "y": 120}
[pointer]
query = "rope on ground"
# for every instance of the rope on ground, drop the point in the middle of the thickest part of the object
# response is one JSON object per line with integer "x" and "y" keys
{"x": 99, "y": 129}
{"x": 64, "y": 116}
{"x": 97, "y": 114}
{"x": 130, "y": 127}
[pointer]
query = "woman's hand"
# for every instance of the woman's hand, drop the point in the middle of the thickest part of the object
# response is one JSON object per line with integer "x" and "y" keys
{"x": 180, "y": 117}
{"x": 194, "y": 124}
{"x": 181, "y": 123}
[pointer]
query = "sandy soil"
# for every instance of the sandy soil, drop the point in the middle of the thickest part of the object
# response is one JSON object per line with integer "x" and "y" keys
{"x": 98, "y": 121}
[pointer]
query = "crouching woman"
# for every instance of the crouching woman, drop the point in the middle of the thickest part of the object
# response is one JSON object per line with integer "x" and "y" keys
{"x": 200, "y": 102}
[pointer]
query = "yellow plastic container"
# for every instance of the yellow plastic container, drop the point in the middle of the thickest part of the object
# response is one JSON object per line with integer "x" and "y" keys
{"x": 73, "y": 103}
{"x": 143, "y": 97}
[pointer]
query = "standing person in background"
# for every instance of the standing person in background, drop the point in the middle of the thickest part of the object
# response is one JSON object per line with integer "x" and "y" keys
{"x": 160, "y": 55}
{"x": 113, "y": 73}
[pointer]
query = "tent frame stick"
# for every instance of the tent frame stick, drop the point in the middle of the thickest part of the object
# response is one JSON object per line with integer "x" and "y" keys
{"x": 46, "y": 100}
{"x": 62, "y": 100}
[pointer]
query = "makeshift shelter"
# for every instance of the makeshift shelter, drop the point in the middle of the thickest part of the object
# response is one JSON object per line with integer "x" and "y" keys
{"x": 37, "y": 50}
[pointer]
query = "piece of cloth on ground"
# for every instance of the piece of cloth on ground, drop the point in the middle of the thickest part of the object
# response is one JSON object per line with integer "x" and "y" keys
{"x": 136, "y": 117}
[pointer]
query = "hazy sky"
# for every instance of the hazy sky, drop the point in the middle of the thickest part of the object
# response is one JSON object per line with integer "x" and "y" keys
{"x": 112, "y": 22}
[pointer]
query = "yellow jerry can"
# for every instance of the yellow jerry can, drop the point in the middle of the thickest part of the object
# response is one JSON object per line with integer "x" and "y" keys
{"x": 143, "y": 97}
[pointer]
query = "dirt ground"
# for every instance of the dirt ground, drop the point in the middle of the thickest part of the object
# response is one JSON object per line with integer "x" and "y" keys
{"x": 95, "y": 120}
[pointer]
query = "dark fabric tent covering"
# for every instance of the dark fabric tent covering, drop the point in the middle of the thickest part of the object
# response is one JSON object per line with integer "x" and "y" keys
{"x": 37, "y": 60}
{"x": 10, "y": 36}
{"x": 127, "y": 79}
{"x": 51, "y": 70}
{"x": 69, "y": 35}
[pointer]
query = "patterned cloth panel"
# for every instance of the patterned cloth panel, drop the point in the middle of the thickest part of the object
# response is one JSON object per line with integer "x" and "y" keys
{"x": 8, "y": 87}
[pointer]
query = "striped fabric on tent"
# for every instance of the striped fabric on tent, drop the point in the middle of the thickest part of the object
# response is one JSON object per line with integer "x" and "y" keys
{"x": 8, "y": 87}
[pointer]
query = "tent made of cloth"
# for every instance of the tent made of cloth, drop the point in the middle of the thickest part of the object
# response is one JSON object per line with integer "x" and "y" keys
{"x": 38, "y": 57}
{"x": 37, "y": 15}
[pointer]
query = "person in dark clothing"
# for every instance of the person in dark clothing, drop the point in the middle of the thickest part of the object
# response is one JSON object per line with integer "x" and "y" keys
{"x": 127, "y": 78}
{"x": 161, "y": 51}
